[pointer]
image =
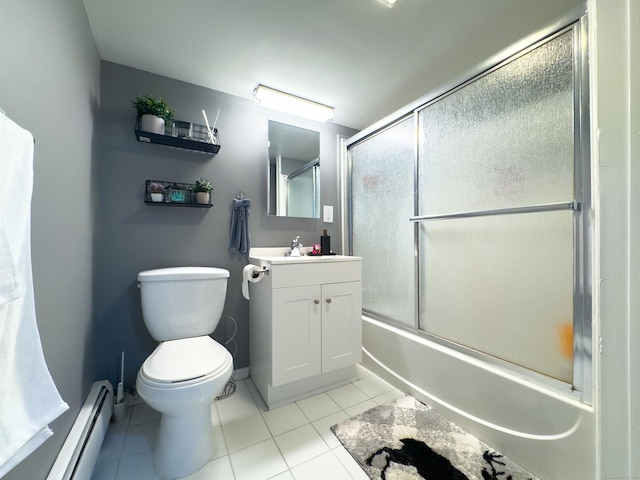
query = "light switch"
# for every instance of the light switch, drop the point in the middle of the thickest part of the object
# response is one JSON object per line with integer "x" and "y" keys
{"x": 327, "y": 214}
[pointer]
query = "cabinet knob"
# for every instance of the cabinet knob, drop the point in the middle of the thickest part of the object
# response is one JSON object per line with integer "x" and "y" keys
{"x": 328, "y": 300}
{"x": 316, "y": 301}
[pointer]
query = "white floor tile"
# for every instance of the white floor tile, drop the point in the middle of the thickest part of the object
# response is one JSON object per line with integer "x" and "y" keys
{"x": 126, "y": 418}
{"x": 138, "y": 466}
{"x": 105, "y": 471}
{"x": 143, "y": 413}
{"x": 283, "y": 419}
{"x": 362, "y": 371}
{"x": 347, "y": 396}
{"x": 236, "y": 407}
{"x": 141, "y": 437}
{"x": 241, "y": 388}
{"x": 219, "y": 442}
{"x": 244, "y": 387}
{"x": 283, "y": 476}
{"x": 300, "y": 445}
{"x": 373, "y": 386}
{"x": 388, "y": 397}
{"x": 360, "y": 408}
{"x": 259, "y": 402}
{"x": 318, "y": 406}
{"x": 350, "y": 464}
{"x": 113, "y": 443}
{"x": 245, "y": 432}
{"x": 250, "y": 385}
{"x": 321, "y": 468}
{"x": 259, "y": 462}
{"x": 264, "y": 444}
{"x": 323, "y": 427}
{"x": 218, "y": 469}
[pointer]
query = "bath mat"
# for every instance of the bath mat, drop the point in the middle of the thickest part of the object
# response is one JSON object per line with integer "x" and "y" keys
{"x": 406, "y": 440}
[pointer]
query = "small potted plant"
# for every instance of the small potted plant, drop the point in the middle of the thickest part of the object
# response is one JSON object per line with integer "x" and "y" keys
{"x": 152, "y": 112}
{"x": 203, "y": 189}
{"x": 156, "y": 190}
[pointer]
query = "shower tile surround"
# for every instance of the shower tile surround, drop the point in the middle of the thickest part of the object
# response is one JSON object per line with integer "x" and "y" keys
{"x": 292, "y": 442}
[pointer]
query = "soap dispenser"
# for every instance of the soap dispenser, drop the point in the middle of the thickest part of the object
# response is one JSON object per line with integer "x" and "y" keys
{"x": 325, "y": 243}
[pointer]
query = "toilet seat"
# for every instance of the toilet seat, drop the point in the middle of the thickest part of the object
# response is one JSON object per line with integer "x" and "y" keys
{"x": 186, "y": 361}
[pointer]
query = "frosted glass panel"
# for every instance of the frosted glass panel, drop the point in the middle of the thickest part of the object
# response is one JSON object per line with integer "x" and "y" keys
{"x": 505, "y": 140}
{"x": 382, "y": 183}
{"x": 502, "y": 285}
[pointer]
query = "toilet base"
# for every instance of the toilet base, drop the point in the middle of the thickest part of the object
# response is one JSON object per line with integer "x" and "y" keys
{"x": 185, "y": 443}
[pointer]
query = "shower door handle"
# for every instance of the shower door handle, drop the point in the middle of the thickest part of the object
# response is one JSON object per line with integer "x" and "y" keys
{"x": 545, "y": 207}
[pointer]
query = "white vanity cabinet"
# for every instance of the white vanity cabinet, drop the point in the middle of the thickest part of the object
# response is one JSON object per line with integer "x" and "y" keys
{"x": 305, "y": 326}
{"x": 315, "y": 329}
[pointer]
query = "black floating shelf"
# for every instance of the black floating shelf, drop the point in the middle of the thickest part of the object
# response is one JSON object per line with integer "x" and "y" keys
{"x": 194, "y": 138}
{"x": 174, "y": 194}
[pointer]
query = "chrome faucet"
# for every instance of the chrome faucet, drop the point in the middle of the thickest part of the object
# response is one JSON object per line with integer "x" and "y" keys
{"x": 296, "y": 246}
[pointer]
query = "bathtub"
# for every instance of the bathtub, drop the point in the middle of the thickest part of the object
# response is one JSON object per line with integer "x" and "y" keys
{"x": 546, "y": 432}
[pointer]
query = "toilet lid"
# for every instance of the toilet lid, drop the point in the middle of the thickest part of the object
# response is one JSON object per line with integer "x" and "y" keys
{"x": 185, "y": 359}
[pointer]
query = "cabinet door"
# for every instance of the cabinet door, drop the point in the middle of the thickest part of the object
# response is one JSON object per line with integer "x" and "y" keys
{"x": 341, "y": 325}
{"x": 296, "y": 333}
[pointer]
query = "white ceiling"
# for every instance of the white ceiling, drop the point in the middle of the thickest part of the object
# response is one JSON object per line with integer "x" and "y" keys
{"x": 362, "y": 58}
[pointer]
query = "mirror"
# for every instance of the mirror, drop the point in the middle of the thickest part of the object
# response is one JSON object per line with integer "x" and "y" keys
{"x": 294, "y": 171}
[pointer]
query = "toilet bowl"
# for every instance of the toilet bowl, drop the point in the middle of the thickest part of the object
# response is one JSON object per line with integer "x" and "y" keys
{"x": 180, "y": 380}
{"x": 188, "y": 369}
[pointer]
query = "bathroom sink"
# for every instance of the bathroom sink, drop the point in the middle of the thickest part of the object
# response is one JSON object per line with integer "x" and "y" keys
{"x": 281, "y": 255}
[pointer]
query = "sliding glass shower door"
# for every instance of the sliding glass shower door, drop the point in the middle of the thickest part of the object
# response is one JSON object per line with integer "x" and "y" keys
{"x": 502, "y": 283}
{"x": 382, "y": 172}
{"x": 476, "y": 201}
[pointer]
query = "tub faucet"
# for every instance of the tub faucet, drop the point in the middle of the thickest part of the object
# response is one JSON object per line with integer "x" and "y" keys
{"x": 295, "y": 246}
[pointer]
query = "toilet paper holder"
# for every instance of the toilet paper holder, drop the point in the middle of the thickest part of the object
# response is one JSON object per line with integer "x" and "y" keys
{"x": 257, "y": 273}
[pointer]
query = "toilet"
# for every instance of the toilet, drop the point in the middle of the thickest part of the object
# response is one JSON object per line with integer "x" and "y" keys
{"x": 181, "y": 306}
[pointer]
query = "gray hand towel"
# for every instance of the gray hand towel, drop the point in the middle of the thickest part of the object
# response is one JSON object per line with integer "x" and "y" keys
{"x": 240, "y": 239}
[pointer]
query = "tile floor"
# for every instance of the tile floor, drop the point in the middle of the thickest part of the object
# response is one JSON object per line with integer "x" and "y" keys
{"x": 254, "y": 443}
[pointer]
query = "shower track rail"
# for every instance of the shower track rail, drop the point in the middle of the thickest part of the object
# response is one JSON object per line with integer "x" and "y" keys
{"x": 546, "y": 207}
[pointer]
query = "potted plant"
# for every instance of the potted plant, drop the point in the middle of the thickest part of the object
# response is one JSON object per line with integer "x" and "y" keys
{"x": 203, "y": 189}
{"x": 157, "y": 192}
{"x": 152, "y": 112}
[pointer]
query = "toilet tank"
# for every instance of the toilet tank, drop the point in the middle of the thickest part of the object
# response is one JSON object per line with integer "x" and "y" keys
{"x": 182, "y": 302}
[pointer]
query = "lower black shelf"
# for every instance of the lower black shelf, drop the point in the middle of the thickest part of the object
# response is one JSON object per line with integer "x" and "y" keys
{"x": 174, "y": 204}
{"x": 173, "y": 194}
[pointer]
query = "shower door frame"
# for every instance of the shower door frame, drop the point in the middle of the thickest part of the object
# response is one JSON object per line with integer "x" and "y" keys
{"x": 581, "y": 387}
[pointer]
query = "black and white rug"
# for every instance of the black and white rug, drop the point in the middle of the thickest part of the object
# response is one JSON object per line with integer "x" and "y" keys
{"x": 406, "y": 440}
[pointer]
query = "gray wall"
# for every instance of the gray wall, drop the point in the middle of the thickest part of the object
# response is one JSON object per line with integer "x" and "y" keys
{"x": 49, "y": 84}
{"x": 131, "y": 236}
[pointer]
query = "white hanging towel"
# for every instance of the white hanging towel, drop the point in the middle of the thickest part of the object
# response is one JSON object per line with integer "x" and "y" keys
{"x": 29, "y": 400}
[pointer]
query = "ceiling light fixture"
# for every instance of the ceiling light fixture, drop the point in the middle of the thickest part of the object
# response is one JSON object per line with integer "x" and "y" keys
{"x": 286, "y": 102}
{"x": 388, "y": 3}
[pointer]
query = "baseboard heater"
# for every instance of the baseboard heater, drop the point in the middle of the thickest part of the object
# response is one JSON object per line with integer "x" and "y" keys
{"x": 80, "y": 450}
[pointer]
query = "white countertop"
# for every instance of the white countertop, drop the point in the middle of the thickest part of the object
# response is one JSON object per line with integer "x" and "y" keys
{"x": 276, "y": 255}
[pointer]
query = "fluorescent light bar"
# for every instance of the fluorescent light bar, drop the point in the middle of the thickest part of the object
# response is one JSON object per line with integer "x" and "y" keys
{"x": 286, "y": 102}
{"x": 388, "y": 3}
